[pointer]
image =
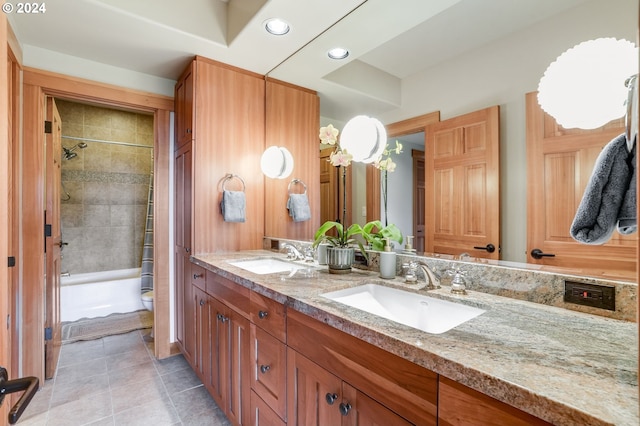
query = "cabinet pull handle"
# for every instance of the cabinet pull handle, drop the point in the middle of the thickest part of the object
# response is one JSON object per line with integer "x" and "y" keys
{"x": 490, "y": 248}
{"x": 201, "y": 302}
{"x": 265, "y": 368}
{"x": 196, "y": 276}
{"x": 539, "y": 254}
{"x": 345, "y": 408}
{"x": 263, "y": 314}
{"x": 331, "y": 398}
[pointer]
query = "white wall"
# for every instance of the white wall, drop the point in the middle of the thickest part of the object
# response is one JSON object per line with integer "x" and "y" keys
{"x": 501, "y": 73}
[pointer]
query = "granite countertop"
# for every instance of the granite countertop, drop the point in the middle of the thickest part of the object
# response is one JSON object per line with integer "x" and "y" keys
{"x": 566, "y": 367}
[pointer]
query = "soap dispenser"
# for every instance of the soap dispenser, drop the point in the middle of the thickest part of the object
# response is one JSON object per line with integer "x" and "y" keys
{"x": 387, "y": 261}
{"x": 408, "y": 247}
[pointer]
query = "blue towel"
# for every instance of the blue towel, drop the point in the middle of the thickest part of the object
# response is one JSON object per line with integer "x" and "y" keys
{"x": 233, "y": 206}
{"x": 298, "y": 205}
{"x": 597, "y": 215}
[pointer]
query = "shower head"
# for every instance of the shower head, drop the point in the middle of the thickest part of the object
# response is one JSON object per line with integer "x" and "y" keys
{"x": 68, "y": 152}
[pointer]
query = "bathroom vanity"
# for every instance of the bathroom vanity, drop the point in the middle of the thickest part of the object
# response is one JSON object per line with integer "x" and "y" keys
{"x": 273, "y": 349}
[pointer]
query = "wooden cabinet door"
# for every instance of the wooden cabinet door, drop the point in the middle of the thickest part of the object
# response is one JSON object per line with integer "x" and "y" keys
{"x": 559, "y": 165}
{"x": 237, "y": 398}
{"x": 462, "y": 163}
{"x": 262, "y": 414}
{"x": 184, "y": 98}
{"x": 217, "y": 383}
{"x": 314, "y": 394}
{"x": 229, "y": 375}
{"x": 268, "y": 369}
{"x": 459, "y": 405}
{"x": 358, "y": 409}
{"x": 201, "y": 355}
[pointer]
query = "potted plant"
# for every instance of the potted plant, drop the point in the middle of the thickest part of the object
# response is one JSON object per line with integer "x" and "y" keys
{"x": 376, "y": 239}
{"x": 340, "y": 253}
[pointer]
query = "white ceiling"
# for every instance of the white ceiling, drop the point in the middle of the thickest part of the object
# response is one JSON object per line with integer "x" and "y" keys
{"x": 388, "y": 40}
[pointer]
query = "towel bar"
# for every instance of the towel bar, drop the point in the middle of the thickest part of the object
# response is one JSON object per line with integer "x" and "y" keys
{"x": 294, "y": 181}
{"x": 230, "y": 176}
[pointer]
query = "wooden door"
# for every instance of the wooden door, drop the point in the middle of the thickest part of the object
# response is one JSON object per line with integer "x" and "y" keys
{"x": 462, "y": 173}
{"x": 202, "y": 356}
{"x": 218, "y": 335}
{"x": 237, "y": 397}
{"x": 332, "y": 196}
{"x": 559, "y": 165}
{"x": 314, "y": 394}
{"x": 360, "y": 410}
{"x": 53, "y": 242}
{"x": 418, "y": 199}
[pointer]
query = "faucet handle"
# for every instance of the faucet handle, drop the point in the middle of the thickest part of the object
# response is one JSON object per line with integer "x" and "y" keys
{"x": 458, "y": 283}
{"x": 410, "y": 274}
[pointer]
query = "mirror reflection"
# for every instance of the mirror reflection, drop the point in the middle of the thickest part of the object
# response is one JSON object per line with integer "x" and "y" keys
{"x": 469, "y": 56}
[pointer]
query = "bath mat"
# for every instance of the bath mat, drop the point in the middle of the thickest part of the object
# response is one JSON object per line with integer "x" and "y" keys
{"x": 96, "y": 328}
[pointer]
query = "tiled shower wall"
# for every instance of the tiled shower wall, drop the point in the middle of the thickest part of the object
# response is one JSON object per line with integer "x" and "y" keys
{"x": 107, "y": 184}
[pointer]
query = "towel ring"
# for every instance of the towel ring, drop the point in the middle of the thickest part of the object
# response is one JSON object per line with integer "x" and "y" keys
{"x": 294, "y": 181}
{"x": 231, "y": 176}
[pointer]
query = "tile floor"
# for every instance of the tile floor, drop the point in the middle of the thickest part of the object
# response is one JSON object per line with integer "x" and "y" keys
{"x": 117, "y": 381}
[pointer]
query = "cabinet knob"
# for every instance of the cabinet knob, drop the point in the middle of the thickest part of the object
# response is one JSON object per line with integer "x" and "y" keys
{"x": 263, "y": 314}
{"x": 187, "y": 249}
{"x": 196, "y": 276}
{"x": 345, "y": 407}
{"x": 331, "y": 398}
{"x": 201, "y": 302}
{"x": 265, "y": 368}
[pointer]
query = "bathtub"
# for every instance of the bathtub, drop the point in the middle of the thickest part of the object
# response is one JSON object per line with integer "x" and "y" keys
{"x": 98, "y": 294}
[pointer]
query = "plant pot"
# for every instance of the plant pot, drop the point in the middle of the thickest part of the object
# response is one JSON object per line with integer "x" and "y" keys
{"x": 340, "y": 259}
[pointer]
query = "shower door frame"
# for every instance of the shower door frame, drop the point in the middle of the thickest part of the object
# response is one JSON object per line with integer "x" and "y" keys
{"x": 38, "y": 84}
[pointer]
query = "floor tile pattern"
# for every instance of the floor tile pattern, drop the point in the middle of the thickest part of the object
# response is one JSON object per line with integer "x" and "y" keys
{"x": 116, "y": 381}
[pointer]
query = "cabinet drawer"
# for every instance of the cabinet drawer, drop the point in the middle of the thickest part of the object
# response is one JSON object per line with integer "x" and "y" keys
{"x": 198, "y": 277}
{"x": 269, "y": 365}
{"x": 269, "y": 315}
{"x": 262, "y": 415}
{"x": 231, "y": 294}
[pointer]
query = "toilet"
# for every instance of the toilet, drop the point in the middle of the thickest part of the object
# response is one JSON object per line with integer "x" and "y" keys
{"x": 147, "y": 300}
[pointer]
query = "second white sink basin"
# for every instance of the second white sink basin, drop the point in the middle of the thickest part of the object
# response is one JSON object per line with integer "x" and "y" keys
{"x": 425, "y": 313}
{"x": 266, "y": 265}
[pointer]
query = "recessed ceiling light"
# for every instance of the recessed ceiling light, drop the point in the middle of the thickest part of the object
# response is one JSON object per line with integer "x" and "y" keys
{"x": 276, "y": 26}
{"x": 338, "y": 53}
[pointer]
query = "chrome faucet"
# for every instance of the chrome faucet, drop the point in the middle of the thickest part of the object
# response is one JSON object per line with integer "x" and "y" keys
{"x": 430, "y": 277}
{"x": 292, "y": 251}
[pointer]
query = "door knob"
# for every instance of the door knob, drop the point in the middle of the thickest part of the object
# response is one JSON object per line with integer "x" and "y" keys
{"x": 61, "y": 243}
{"x": 490, "y": 248}
{"x": 539, "y": 254}
{"x": 27, "y": 384}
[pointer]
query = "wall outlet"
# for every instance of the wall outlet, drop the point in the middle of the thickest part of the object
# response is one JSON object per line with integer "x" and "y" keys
{"x": 596, "y": 296}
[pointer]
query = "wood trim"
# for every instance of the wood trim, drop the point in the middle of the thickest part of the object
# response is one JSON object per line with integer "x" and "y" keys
{"x": 203, "y": 59}
{"x": 290, "y": 85}
{"x": 412, "y": 125}
{"x": 36, "y": 85}
{"x": 5, "y": 198}
{"x": 32, "y": 235}
{"x": 79, "y": 89}
{"x": 399, "y": 128}
{"x": 14, "y": 45}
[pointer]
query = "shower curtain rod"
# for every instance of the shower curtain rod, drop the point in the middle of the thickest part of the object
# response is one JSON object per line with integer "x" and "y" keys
{"x": 110, "y": 142}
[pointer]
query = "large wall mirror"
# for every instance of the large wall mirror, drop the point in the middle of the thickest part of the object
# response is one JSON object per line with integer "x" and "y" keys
{"x": 452, "y": 57}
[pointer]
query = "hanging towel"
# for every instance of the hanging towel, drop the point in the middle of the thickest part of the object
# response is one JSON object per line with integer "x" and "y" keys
{"x": 298, "y": 205}
{"x": 597, "y": 214}
{"x": 627, "y": 218}
{"x": 233, "y": 206}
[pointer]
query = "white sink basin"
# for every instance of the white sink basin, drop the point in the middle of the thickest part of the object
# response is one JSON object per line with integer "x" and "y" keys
{"x": 425, "y": 313}
{"x": 267, "y": 265}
